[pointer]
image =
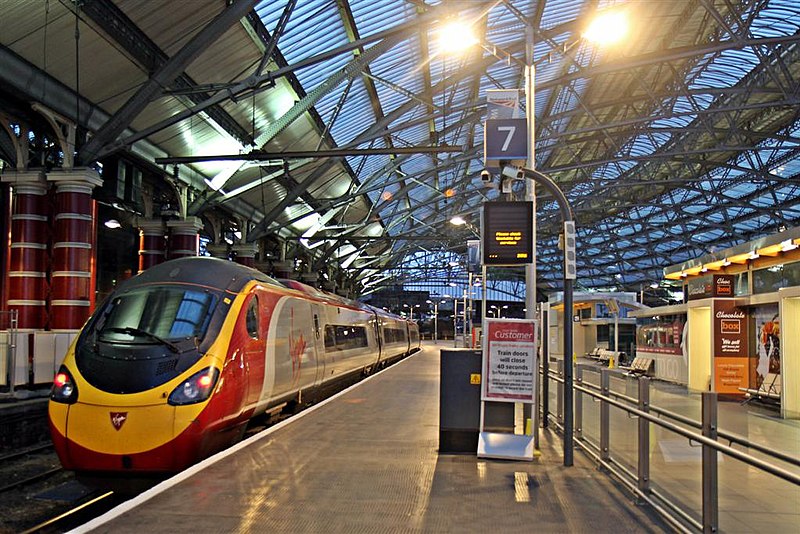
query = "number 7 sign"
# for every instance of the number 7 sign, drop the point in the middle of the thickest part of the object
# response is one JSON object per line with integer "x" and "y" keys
{"x": 505, "y": 139}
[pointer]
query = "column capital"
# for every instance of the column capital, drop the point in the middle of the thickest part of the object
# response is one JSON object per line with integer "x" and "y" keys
{"x": 78, "y": 176}
{"x": 29, "y": 182}
{"x": 218, "y": 250}
{"x": 188, "y": 225}
{"x": 151, "y": 226}
{"x": 245, "y": 250}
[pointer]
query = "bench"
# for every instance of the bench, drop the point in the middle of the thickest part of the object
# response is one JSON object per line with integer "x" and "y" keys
{"x": 770, "y": 388}
{"x": 640, "y": 366}
{"x": 594, "y": 353}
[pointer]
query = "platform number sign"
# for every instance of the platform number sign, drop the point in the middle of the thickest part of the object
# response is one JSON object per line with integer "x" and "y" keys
{"x": 570, "y": 261}
{"x": 505, "y": 139}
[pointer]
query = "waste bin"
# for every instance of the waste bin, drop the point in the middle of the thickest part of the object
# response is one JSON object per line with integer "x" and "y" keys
{"x": 460, "y": 403}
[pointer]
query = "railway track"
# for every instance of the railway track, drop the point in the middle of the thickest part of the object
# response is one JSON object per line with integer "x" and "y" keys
{"x": 77, "y": 515}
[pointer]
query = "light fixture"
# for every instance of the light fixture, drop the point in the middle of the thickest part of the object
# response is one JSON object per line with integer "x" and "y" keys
{"x": 455, "y": 36}
{"x": 607, "y": 28}
{"x": 113, "y": 223}
{"x": 458, "y": 221}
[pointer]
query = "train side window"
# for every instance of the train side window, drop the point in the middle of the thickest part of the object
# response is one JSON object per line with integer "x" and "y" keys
{"x": 252, "y": 318}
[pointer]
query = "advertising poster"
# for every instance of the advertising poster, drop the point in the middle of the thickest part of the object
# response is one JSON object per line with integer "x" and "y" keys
{"x": 510, "y": 362}
{"x": 730, "y": 347}
{"x": 768, "y": 345}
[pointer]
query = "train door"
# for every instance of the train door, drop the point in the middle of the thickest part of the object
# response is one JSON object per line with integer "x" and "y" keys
{"x": 318, "y": 317}
{"x": 247, "y": 363}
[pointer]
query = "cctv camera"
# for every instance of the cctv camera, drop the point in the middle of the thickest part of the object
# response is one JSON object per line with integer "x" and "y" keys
{"x": 486, "y": 176}
{"x": 520, "y": 174}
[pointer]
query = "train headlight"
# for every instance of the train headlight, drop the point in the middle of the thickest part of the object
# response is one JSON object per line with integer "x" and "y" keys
{"x": 196, "y": 388}
{"x": 64, "y": 389}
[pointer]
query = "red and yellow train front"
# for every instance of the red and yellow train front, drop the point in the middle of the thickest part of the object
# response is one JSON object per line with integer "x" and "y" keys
{"x": 153, "y": 383}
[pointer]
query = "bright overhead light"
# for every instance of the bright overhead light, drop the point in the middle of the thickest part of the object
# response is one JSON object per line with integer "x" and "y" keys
{"x": 112, "y": 223}
{"x": 456, "y": 37}
{"x": 607, "y": 28}
{"x": 458, "y": 221}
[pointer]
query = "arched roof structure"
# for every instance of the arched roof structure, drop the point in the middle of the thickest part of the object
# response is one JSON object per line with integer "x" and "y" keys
{"x": 341, "y": 125}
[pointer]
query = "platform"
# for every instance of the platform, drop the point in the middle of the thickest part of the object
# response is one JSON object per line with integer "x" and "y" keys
{"x": 367, "y": 461}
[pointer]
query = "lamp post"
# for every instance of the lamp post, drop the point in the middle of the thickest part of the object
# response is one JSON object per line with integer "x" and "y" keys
{"x": 411, "y": 310}
{"x": 435, "y": 320}
{"x": 606, "y": 29}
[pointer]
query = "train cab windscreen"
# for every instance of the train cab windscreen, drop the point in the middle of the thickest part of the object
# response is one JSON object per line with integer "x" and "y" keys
{"x": 154, "y": 313}
{"x": 146, "y": 336}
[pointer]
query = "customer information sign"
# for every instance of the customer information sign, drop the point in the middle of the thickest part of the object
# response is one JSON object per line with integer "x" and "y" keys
{"x": 510, "y": 363}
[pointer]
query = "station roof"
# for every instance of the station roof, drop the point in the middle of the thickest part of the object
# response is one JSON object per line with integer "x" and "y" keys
{"x": 349, "y": 130}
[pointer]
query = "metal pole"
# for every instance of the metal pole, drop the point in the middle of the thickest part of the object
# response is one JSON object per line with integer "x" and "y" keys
{"x": 545, "y": 363}
{"x": 710, "y": 475}
{"x": 435, "y": 324}
{"x": 12, "y": 352}
{"x": 605, "y": 418}
{"x": 464, "y": 313}
{"x": 567, "y": 216}
{"x": 643, "y": 475}
{"x": 469, "y": 310}
{"x": 560, "y": 392}
{"x": 455, "y": 322}
{"x": 530, "y": 195}
{"x": 579, "y": 404}
{"x": 483, "y": 301}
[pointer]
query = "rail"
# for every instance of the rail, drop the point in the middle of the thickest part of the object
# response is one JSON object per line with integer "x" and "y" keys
{"x": 639, "y": 482}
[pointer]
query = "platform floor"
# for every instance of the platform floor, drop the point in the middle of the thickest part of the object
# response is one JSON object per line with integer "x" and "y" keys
{"x": 367, "y": 461}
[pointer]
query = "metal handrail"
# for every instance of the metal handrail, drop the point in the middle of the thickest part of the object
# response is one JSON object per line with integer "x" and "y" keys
{"x": 708, "y": 439}
{"x": 729, "y": 436}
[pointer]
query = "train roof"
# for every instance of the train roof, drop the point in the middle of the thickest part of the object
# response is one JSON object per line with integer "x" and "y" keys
{"x": 204, "y": 271}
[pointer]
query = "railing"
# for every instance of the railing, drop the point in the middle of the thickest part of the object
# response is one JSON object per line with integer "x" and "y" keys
{"x": 8, "y": 322}
{"x": 705, "y": 433}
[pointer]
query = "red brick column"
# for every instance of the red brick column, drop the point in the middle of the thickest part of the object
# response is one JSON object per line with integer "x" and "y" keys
{"x": 27, "y": 288}
{"x": 246, "y": 254}
{"x": 184, "y": 239}
{"x": 74, "y": 237}
{"x": 152, "y": 243}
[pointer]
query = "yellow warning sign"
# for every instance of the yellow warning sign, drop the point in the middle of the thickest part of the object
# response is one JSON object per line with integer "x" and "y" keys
{"x": 475, "y": 378}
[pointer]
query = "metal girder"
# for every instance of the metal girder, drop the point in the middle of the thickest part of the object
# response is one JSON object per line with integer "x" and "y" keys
{"x": 259, "y": 155}
{"x": 118, "y": 27}
{"x": 165, "y": 76}
{"x": 254, "y": 84}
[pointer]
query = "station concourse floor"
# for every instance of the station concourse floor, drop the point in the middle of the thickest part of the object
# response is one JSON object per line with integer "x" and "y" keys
{"x": 368, "y": 461}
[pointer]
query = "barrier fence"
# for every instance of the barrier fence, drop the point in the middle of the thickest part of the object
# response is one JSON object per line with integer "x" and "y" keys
{"x": 704, "y": 433}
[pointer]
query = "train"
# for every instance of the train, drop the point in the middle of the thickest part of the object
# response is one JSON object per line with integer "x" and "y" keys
{"x": 177, "y": 361}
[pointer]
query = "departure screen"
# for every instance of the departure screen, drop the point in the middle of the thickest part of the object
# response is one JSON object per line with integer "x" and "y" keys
{"x": 507, "y": 233}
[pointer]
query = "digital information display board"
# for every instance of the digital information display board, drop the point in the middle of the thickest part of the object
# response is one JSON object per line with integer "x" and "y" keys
{"x": 507, "y": 233}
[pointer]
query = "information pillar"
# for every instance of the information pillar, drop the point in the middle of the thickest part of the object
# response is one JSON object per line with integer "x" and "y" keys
{"x": 184, "y": 240}
{"x": 74, "y": 236}
{"x": 152, "y": 243}
{"x": 26, "y": 288}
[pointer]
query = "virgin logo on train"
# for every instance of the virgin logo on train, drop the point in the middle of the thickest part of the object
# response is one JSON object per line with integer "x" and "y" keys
{"x": 118, "y": 419}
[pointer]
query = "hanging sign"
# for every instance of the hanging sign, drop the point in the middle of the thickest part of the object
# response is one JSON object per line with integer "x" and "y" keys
{"x": 509, "y": 360}
{"x": 507, "y": 230}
